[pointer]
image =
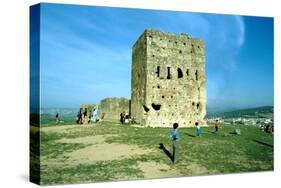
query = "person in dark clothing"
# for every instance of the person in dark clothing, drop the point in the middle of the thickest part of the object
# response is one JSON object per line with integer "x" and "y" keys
{"x": 217, "y": 125}
{"x": 79, "y": 117}
{"x": 122, "y": 117}
{"x": 85, "y": 113}
{"x": 57, "y": 118}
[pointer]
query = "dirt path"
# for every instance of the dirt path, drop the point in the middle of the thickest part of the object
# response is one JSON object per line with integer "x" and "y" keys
{"x": 97, "y": 149}
{"x": 152, "y": 169}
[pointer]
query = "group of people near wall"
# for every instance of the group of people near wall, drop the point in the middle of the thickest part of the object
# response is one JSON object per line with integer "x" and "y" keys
{"x": 269, "y": 129}
{"x": 125, "y": 118}
{"x": 86, "y": 116}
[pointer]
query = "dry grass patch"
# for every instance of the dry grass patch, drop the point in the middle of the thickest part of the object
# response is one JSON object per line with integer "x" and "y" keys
{"x": 153, "y": 169}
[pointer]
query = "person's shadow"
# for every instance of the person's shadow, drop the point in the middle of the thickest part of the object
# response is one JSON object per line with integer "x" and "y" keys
{"x": 263, "y": 143}
{"x": 162, "y": 147}
{"x": 191, "y": 135}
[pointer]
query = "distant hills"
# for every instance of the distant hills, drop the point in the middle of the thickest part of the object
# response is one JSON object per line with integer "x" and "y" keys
{"x": 66, "y": 115}
{"x": 258, "y": 112}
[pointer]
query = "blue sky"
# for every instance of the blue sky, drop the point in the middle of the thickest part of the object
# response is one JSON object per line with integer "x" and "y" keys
{"x": 86, "y": 53}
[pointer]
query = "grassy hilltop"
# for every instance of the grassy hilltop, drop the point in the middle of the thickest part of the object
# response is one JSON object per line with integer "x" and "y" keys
{"x": 67, "y": 116}
{"x": 110, "y": 151}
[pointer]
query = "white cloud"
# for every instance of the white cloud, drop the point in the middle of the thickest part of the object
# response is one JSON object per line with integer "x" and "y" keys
{"x": 241, "y": 27}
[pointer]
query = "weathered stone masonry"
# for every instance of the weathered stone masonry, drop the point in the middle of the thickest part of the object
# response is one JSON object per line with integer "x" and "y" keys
{"x": 112, "y": 107}
{"x": 168, "y": 80}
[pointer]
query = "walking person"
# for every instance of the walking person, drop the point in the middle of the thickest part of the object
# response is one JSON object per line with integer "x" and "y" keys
{"x": 199, "y": 129}
{"x": 174, "y": 135}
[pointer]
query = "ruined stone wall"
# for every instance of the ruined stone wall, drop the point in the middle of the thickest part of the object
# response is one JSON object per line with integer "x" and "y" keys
{"x": 168, "y": 80}
{"x": 112, "y": 107}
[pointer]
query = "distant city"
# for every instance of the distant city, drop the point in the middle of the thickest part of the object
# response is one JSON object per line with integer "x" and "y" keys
{"x": 260, "y": 117}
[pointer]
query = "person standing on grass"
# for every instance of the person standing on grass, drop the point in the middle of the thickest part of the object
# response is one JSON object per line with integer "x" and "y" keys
{"x": 85, "y": 113}
{"x": 126, "y": 118}
{"x": 217, "y": 125}
{"x": 122, "y": 114}
{"x": 57, "y": 118}
{"x": 199, "y": 129}
{"x": 90, "y": 116}
{"x": 79, "y": 117}
{"x": 95, "y": 115}
{"x": 174, "y": 134}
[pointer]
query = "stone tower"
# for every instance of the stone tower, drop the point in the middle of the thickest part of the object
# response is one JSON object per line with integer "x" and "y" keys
{"x": 168, "y": 80}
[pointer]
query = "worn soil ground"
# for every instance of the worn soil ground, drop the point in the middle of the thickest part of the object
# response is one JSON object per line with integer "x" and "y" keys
{"x": 99, "y": 151}
{"x": 110, "y": 151}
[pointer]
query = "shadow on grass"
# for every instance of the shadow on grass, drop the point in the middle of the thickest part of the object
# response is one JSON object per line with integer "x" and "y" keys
{"x": 263, "y": 143}
{"x": 213, "y": 132}
{"x": 191, "y": 135}
{"x": 233, "y": 133}
{"x": 162, "y": 147}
